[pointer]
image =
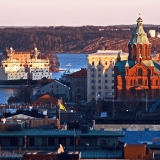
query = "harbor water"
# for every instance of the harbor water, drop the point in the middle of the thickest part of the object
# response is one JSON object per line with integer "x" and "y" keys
{"x": 76, "y": 61}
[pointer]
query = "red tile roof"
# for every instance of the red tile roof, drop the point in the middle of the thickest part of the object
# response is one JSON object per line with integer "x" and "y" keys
{"x": 80, "y": 73}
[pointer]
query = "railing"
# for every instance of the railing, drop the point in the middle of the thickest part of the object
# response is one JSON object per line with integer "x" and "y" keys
{"x": 154, "y": 106}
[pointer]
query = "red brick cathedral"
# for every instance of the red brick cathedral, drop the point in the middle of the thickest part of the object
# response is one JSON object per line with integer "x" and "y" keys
{"x": 140, "y": 75}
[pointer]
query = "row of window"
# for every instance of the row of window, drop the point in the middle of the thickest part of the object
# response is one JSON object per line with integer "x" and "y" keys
{"x": 99, "y": 87}
{"x": 99, "y": 81}
{"x": 99, "y": 63}
{"x": 99, "y": 69}
{"x": 99, "y": 93}
{"x": 140, "y": 82}
{"x": 99, "y": 75}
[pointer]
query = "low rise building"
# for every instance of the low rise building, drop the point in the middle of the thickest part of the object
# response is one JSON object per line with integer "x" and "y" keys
{"x": 56, "y": 88}
{"x": 78, "y": 85}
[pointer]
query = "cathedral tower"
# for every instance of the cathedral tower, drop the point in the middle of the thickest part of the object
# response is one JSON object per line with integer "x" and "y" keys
{"x": 139, "y": 44}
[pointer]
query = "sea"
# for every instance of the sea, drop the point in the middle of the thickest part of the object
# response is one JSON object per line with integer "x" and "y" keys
{"x": 68, "y": 61}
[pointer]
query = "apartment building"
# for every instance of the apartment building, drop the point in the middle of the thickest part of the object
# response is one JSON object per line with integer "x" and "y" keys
{"x": 100, "y": 73}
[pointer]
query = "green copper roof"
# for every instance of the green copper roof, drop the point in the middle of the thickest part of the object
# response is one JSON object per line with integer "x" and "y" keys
{"x": 139, "y": 36}
{"x": 59, "y": 133}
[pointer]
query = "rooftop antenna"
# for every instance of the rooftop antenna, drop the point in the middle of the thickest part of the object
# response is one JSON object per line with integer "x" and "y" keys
{"x": 139, "y": 12}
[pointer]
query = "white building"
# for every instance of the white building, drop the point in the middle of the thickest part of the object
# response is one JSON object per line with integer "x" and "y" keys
{"x": 152, "y": 33}
{"x": 55, "y": 87}
{"x": 100, "y": 73}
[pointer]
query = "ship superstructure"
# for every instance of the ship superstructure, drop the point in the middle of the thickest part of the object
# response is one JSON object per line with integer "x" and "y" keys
{"x": 24, "y": 66}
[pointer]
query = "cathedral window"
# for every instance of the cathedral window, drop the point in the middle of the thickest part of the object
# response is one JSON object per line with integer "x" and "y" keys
{"x": 145, "y": 82}
{"x": 139, "y": 81}
{"x": 139, "y": 72}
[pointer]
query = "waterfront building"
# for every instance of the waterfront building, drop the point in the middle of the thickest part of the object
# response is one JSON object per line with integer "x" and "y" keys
{"x": 28, "y": 66}
{"x": 57, "y": 88}
{"x": 100, "y": 73}
{"x": 78, "y": 85}
{"x": 45, "y": 99}
{"x": 139, "y": 76}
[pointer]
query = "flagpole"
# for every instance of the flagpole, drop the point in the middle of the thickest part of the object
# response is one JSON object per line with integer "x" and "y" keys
{"x": 59, "y": 115}
{"x": 74, "y": 139}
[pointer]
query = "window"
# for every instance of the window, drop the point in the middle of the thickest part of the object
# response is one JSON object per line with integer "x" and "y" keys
{"x": 156, "y": 82}
{"x": 145, "y": 82}
{"x": 112, "y": 69}
{"x": 92, "y": 87}
{"x": 106, "y": 75}
{"x": 106, "y": 63}
{"x": 92, "y": 62}
{"x": 92, "y": 69}
{"x": 99, "y": 93}
{"x": 135, "y": 82}
{"x": 106, "y": 81}
{"x": 99, "y": 81}
{"x": 92, "y": 81}
{"x": 112, "y": 75}
{"x": 99, "y": 75}
{"x": 92, "y": 93}
{"x": 131, "y": 82}
{"x": 99, "y": 69}
{"x": 92, "y": 75}
{"x": 106, "y": 87}
{"x": 112, "y": 81}
{"x": 112, "y": 87}
{"x": 99, "y": 87}
{"x": 139, "y": 81}
{"x": 99, "y": 62}
{"x": 139, "y": 72}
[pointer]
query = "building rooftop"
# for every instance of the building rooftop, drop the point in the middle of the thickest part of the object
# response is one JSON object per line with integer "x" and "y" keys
{"x": 108, "y": 53}
{"x": 139, "y": 137}
{"x": 80, "y": 73}
{"x": 59, "y": 133}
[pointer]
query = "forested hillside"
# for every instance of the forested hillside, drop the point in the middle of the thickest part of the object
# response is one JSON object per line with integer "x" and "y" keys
{"x": 72, "y": 39}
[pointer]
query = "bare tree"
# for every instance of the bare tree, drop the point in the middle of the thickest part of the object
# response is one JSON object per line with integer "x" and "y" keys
{"x": 131, "y": 103}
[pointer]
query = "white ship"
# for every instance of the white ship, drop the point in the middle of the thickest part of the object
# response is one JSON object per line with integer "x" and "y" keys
{"x": 24, "y": 68}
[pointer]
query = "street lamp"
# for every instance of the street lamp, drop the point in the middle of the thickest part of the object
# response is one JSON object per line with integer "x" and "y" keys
{"x": 146, "y": 102}
{"x": 97, "y": 95}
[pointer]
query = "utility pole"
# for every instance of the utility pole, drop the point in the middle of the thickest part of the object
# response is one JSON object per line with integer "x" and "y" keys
{"x": 146, "y": 102}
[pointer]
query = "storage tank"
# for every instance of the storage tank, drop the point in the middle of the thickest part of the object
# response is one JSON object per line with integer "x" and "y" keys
{"x": 152, "y": 33}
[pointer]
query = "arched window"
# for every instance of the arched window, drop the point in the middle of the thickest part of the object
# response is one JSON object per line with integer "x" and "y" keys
{"x": 139, "y": 72}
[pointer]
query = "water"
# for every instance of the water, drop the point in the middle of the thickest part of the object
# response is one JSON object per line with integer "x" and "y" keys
{"x": 77, "y": 62}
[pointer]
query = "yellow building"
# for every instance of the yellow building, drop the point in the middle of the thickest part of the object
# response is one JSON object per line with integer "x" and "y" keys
{"x": 100, "y": 73}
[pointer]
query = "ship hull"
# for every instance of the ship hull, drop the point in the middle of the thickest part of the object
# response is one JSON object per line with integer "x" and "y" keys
{"x": 17, "y": 83}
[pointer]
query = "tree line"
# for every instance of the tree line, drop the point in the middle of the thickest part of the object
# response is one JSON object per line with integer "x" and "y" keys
{"x": 61, "y": 39}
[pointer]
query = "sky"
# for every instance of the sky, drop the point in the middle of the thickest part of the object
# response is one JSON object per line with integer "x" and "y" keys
{"x": 77, "y": 12}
